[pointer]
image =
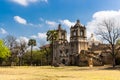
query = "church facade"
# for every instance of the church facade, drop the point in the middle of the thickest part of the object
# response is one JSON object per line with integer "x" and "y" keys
{"x": 68, "y": 53}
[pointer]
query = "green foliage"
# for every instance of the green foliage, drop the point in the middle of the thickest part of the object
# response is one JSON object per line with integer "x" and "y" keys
{"x": 46, "y": 53}
{"x": 32, "y": 42}
{"x": 4, "y": 51}
{"x": 52, "y": 35}
{"x": 41, "y": 57}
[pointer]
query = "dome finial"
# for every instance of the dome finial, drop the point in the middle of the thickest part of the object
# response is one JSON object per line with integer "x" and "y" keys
{"x": 92, "y": 35}
{"x": 59, "y": 26}
{"x": 78, "y": 21}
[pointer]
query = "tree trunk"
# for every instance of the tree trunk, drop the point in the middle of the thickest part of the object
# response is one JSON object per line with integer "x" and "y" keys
{"x": 51, "y": 54}
{"x": 113, "y": 55}
{"x": 41, "y": 61}
{"x": 114, "y": 64}
{"x": 31, "y": 56}
{"x": 47, "y": 60}
{"x": 1, "y": 61}
{"x": 19, "y": 61}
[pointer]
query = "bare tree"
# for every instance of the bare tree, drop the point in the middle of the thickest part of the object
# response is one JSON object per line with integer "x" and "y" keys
{"x": 109, "y": 31}
{"x": 22, "y": 46}
{"x": 17, "y": 48}
{"x": 10, "y": 41}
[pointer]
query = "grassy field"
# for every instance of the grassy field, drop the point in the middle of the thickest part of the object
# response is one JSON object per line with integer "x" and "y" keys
{"x": 58, "y": 73}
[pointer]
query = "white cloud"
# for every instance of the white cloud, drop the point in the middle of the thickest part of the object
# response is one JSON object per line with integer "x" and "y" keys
{"x": 51, "y": 23}
{"x": 35, "y": 25}
{"x": 106, "y": 14}
{"x": 27, "y": 2}
{"x": 39, "y": 36}
{"x": 3, "y": 31}
{"x": 34, "y": 36}
{"x": 68, "y": 37}
{"x": 98, "y": 17}
{"x": 23, "y": 21}
{"x": 67, "y": 23}
{"x": 20, "y": 20}
{"x": 42, "y": 35}
{"x": 22, "y": 39}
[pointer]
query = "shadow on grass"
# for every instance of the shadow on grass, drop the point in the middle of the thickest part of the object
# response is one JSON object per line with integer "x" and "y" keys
{"x": 110, "y": 68}
{"x": 69, "y": 68}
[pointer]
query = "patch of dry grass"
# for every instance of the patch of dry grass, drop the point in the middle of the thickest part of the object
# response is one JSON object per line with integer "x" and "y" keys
{"x": 57, "y": 73}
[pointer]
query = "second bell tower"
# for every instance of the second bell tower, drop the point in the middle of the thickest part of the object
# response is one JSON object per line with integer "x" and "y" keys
{"x": 78, "y": 39}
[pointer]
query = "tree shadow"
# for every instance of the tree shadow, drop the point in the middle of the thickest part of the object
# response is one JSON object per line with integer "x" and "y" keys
{"x": 109, "y": 68}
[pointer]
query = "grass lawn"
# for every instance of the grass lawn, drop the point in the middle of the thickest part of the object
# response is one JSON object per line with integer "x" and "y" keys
{"x": 58, "y": 73}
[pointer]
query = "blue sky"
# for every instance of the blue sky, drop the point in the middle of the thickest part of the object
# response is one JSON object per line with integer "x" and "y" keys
{"x": 32, "y": 18}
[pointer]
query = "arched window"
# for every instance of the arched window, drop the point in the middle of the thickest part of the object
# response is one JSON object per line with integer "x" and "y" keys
{"x": 74, "y": 33}
{"x": 81, "y": 33}
{"x": 62, "y": 35}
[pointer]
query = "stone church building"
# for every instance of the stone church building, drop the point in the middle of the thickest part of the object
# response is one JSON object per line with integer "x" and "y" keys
{"x": 68, "y": 53}
{"x": 80, "y": 50}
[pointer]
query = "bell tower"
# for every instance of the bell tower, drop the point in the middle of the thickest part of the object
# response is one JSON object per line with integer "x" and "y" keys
{"x": 61, "y": 48}
{"x": 78, "y": 39}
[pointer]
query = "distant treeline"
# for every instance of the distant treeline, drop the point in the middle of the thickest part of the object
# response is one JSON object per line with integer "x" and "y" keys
{"x": 15, "y": 52}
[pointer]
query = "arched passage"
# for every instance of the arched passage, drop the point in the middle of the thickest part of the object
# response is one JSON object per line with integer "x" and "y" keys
{"x": 63, "y": 61}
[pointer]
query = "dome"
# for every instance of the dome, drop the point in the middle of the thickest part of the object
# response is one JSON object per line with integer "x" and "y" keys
{"x": 92, "y": 40}
{"x": 78, "y": 24}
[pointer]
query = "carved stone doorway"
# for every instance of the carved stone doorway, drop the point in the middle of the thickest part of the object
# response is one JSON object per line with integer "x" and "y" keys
{"x": 63, "y": 61}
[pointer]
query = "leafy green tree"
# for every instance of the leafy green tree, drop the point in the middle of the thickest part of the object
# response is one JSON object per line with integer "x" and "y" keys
{"x": 32, "y": 43}
{"x": 52, "y": 37}
{"x": 46, "y": 52}
{"x": 39, "y": 58}
{"x": 4, "y": 51}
